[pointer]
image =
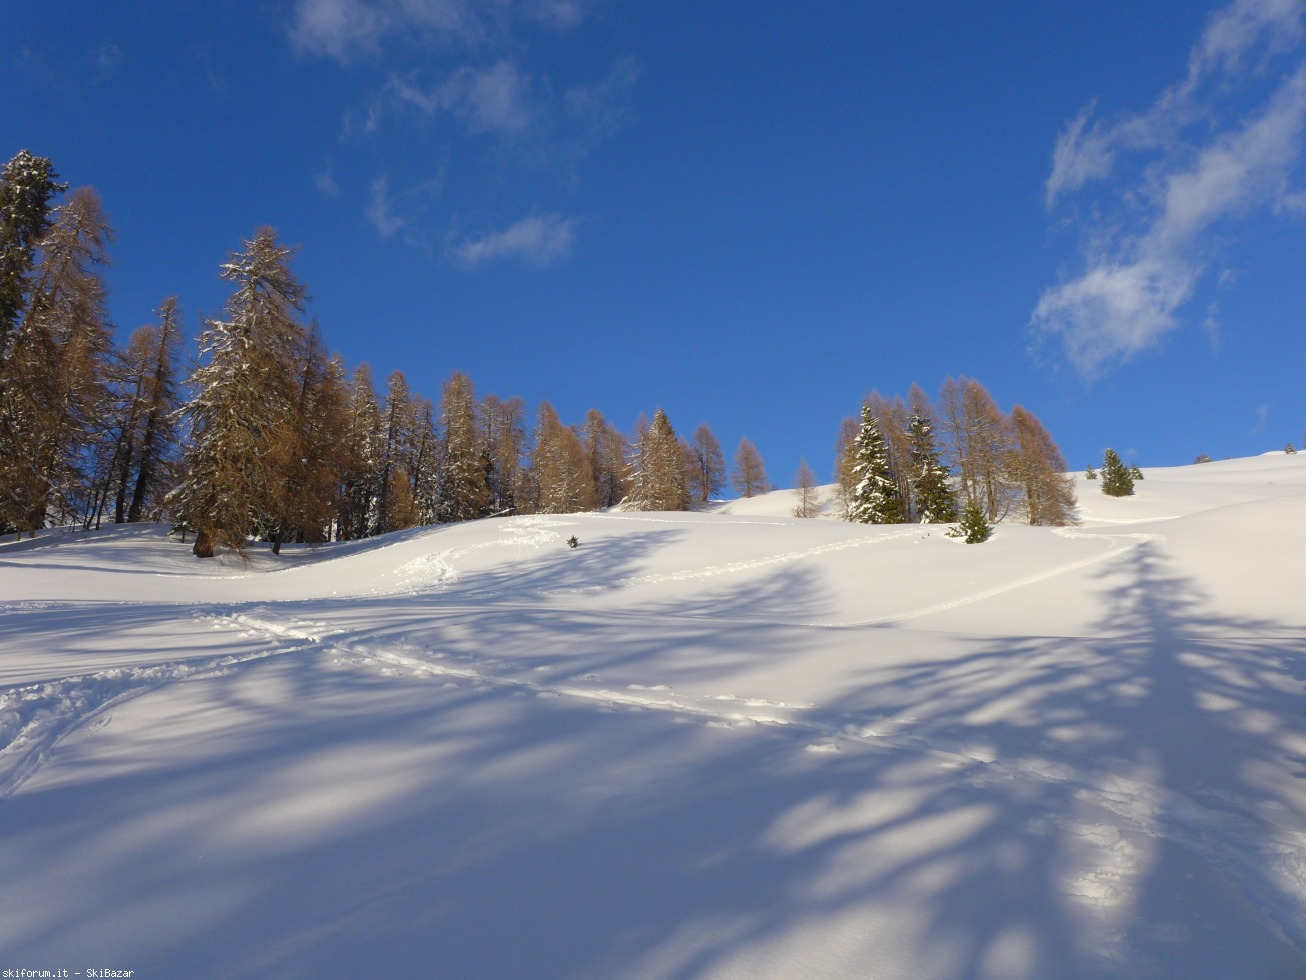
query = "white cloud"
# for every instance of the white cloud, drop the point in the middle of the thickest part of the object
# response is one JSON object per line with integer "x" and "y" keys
{"x": 496, "y": 99}
{"x": 539, "y": 239}
{"x": 338, "y": 28}
{"x": 1142, "y": 262}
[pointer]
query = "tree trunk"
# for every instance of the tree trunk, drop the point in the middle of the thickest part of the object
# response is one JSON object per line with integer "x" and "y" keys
{"x": 203, "y": 544}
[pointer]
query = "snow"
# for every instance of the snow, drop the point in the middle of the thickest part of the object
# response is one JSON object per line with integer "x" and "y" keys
{"x": 727, "y": 744}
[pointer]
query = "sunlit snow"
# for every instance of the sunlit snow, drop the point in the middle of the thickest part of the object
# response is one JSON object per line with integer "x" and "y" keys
{"x": 728, "y": 744}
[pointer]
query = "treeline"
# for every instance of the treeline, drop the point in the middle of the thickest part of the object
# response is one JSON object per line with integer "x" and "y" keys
{"x": 922, "y": 462}
{"x": 271, "y": 436}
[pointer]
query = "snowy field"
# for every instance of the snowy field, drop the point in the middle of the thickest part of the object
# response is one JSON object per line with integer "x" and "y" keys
{"x": 733, "y": 744}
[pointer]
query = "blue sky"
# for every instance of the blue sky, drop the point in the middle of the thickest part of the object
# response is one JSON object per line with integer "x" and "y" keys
{"x": 748, "y": 214}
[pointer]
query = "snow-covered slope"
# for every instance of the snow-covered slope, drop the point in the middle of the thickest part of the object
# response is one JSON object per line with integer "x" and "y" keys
{"x": 726, "y": 744}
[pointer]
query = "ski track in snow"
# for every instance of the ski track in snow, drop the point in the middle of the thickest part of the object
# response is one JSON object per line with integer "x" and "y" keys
{"x": 34, "y": 718}
{"x": 438, "y": 571}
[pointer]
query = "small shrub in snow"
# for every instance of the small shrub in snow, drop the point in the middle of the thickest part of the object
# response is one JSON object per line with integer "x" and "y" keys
{"x": 573, "y": 542}
{"x": 1116, "y": 481}
{"x": 974, "y": 527}
{"x": 1090, "y": 473}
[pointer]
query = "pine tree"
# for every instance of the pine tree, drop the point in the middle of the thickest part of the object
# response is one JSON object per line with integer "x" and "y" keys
{"x": 876, "y": 499}
{"x": 1090, "y": 473}
{"x": 973, "y": 526}
{"x": 805, "y": 491}
{"x": 242, "y": 394}
{"x": 27, "y": 185}
{"x": 933, "y": 498}
{"x": 1135, "y": 472}
{"x": 749, "y": 477}
{"x": 1116, "y": 481}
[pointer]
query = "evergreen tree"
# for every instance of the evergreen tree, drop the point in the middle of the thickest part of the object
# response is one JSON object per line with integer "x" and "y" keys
{"x": 1134, "y": 472}
{"x": 933, "y": 498}
{"x": 974, "y": 526}
{"x": 27, "y": 185}
{"x": 1116, "y": 481}
{"x": 749, "y": 477}
{"x": 658, "y": 472}
{"x": 876, "y": 499}
{"x": 805, "y": 491}
{"x": 1090, "y": 473}
{"x": 242, "y": 394}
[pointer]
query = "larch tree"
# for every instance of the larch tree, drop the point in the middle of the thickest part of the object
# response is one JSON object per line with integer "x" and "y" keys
{"x": 876, "y": 499}
{"x": 305, "y": 495}
{"x": 362, "y": 462}
{"x": 53, "y": 395}
{"x": 396, "y": 505}
{"x": 749, "y": 476}
{"x": 1038, "y": 469}
{"x": 808, "y": 499}
{"x": 158, "y": 440}
{"x": 980, "y": 440}
{"x": 562, "y": 478}
{"x": 464, "y": 493}
{"x": 705, "y": 470}
{"x": 503, "y": 432}
{"x": 845, "y": 465}
{"x": 242, "y": 392}
{"x": 606, "y": 450}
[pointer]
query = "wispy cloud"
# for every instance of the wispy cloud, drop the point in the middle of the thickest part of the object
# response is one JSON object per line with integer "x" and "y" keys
{"x": 1146, "y": 254}
{"x": 325, "y": 181}
{"x": 495, "y": 99}
{"x": 107, "y": 59}
{"x": 400, "y": 212}
{"x": 345, "y": 29}
{"x": 539, "y": 240}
